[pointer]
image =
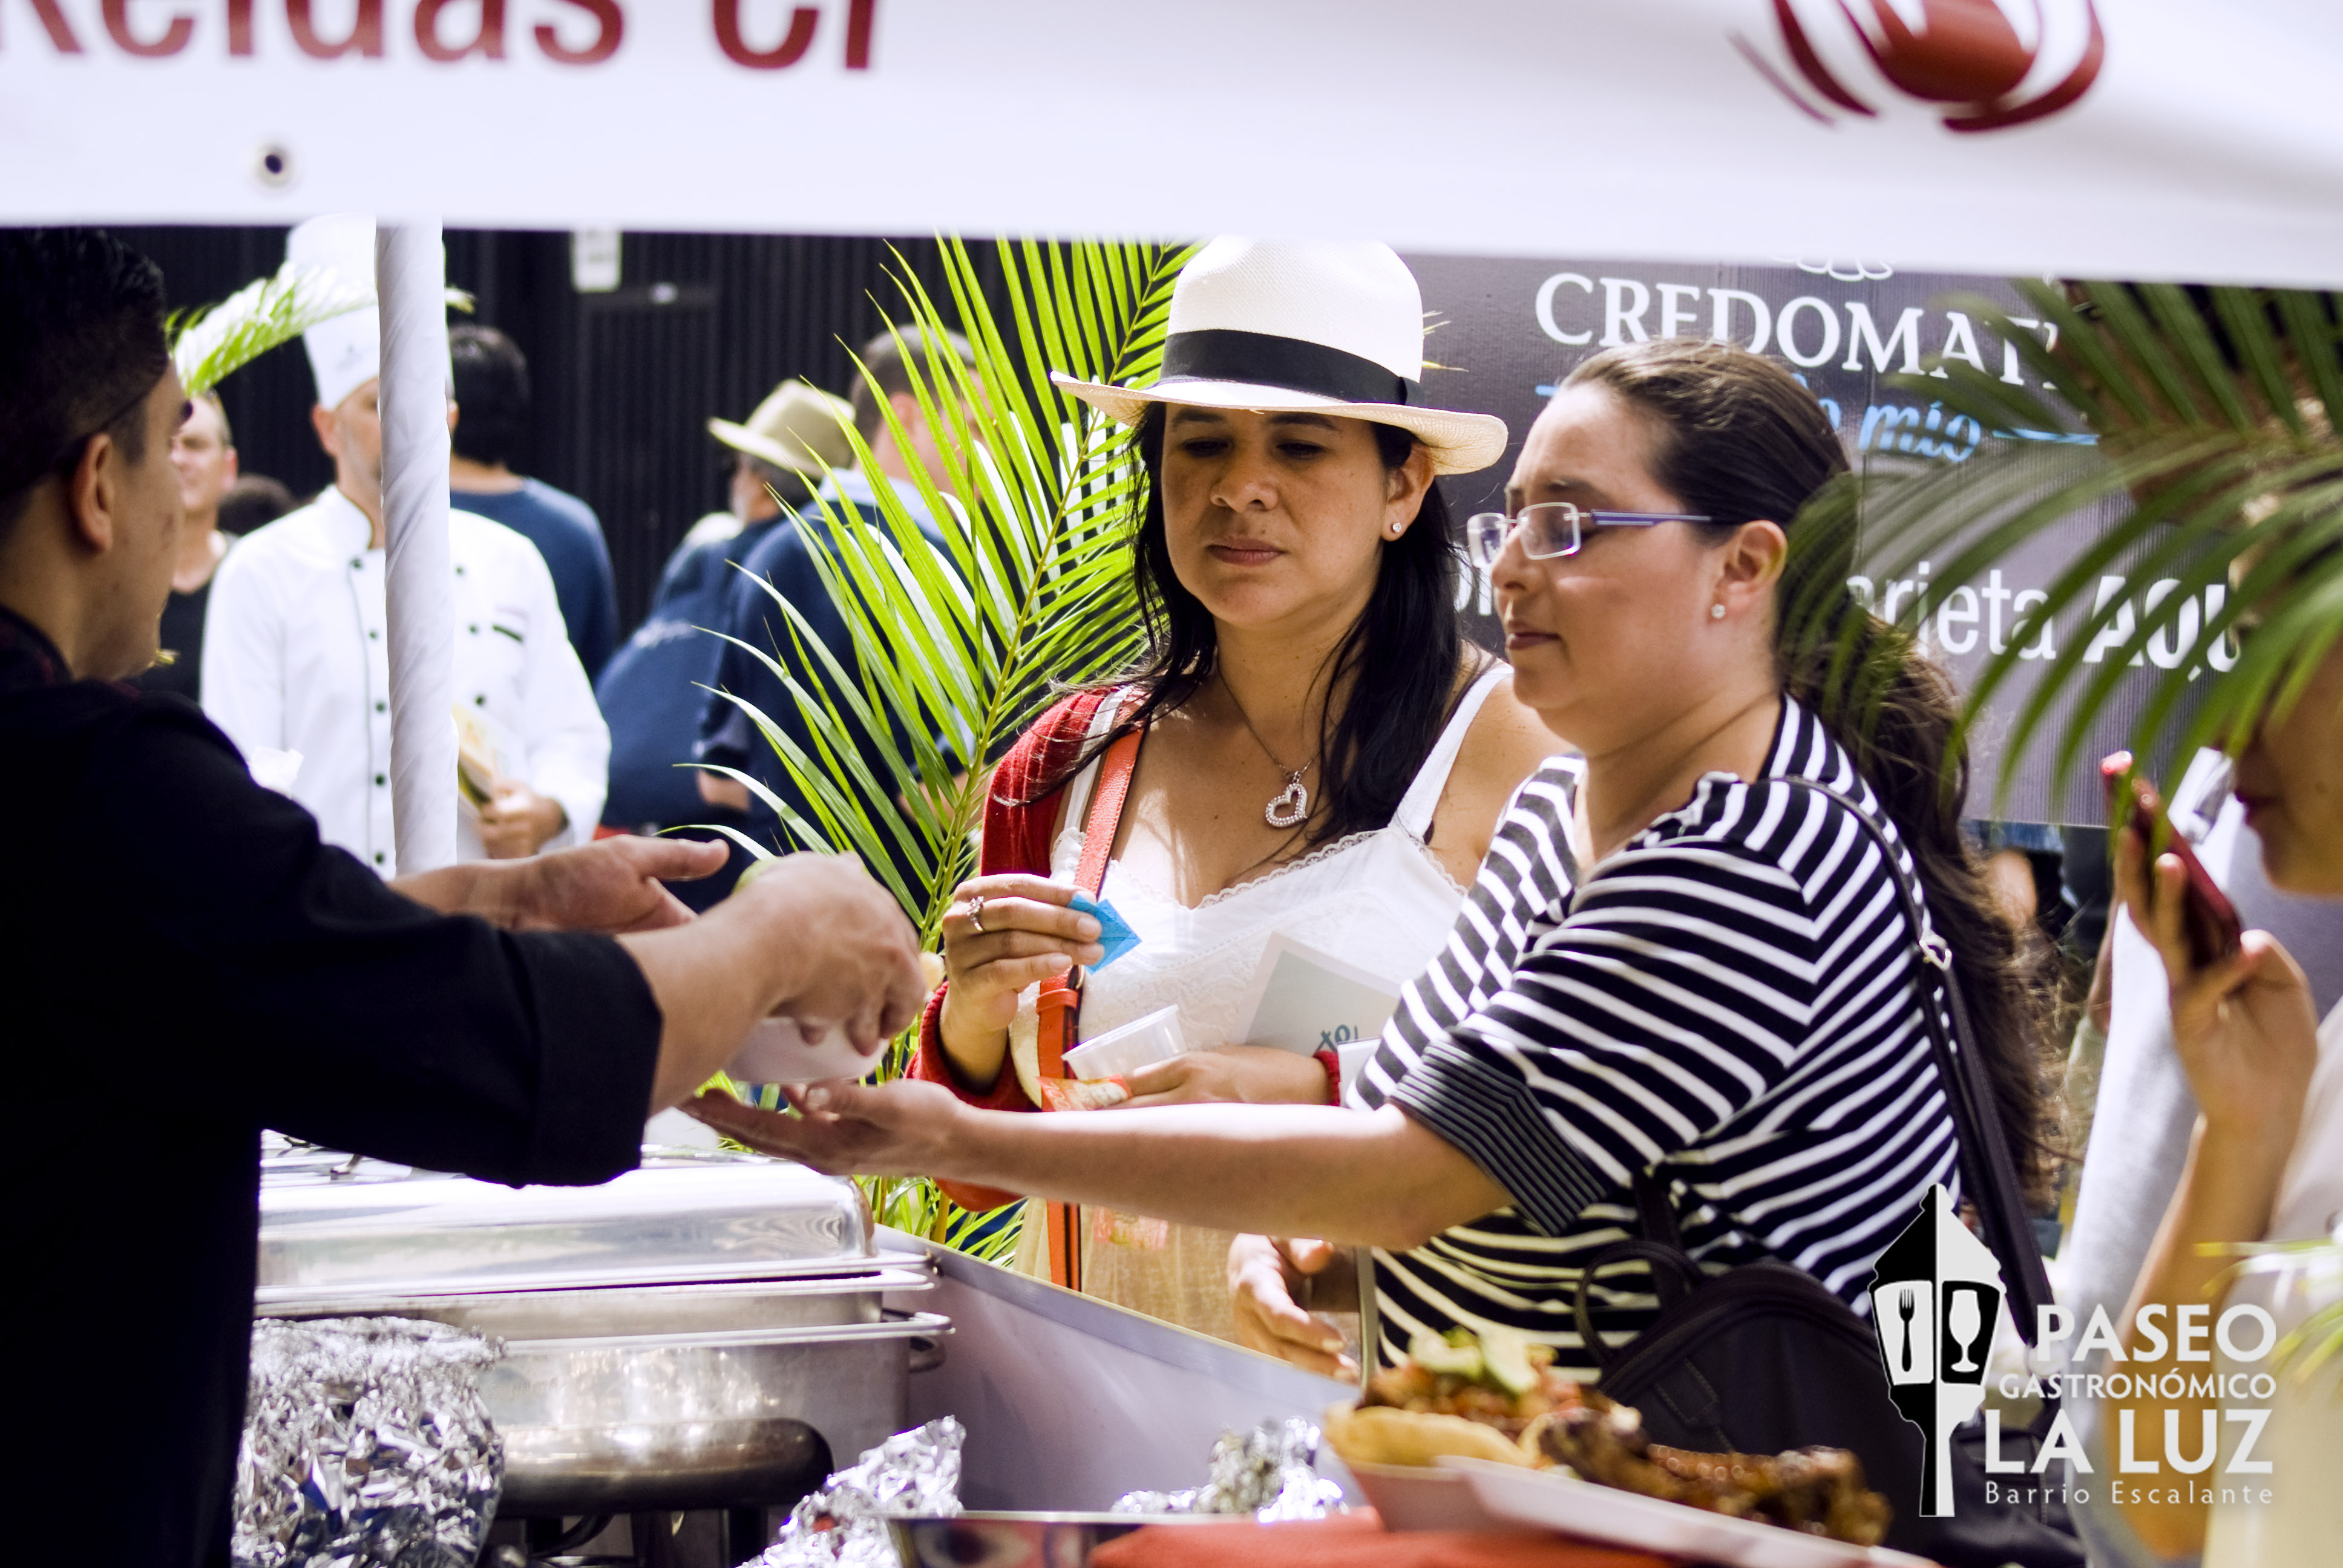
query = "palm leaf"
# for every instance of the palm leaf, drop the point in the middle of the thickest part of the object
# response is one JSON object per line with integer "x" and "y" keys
{"x": 2210, "y": 416}
{"x": 210, "y": 342}
{"x": 958, "y": 648}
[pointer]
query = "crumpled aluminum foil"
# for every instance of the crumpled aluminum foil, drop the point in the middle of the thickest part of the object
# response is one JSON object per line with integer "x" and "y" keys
{"x": 844, "y": 1524}
{"x": 1267, "y": 1473}
{"x": 366, "y": 1445}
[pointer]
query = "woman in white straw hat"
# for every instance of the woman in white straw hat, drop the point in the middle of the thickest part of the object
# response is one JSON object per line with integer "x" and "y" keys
{"x": 1324, "y": 756}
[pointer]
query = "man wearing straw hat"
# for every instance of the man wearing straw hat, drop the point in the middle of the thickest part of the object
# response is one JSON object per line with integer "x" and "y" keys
{"x": 785, "y": 559}
{"x": 652, "y": 689}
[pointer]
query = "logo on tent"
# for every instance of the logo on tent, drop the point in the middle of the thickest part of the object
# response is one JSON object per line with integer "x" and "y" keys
{"x": 1983, "y": 66}
{"x": 1936, "y": 1300}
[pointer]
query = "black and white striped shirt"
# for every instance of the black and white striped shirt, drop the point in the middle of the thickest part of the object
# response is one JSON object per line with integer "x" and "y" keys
{"x": 1732, "y": 1000}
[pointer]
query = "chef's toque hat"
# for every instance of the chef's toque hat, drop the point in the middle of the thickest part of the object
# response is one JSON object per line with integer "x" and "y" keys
{"x": 345, "y": 352}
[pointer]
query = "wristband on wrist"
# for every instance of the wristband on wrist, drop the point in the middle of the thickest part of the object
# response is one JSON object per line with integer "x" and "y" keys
{"x": 1332, "y": 1063}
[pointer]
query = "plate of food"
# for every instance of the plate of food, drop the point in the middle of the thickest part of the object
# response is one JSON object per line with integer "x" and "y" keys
{"x": 1535, "y": 1448}
{"x": 1465, "y": 1395}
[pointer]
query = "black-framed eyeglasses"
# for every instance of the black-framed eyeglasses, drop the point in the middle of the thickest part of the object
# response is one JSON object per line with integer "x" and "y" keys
{"x": 1551, "y": 529}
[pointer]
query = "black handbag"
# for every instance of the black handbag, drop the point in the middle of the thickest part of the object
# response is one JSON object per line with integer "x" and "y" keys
{"x": 1763, "y": 1358}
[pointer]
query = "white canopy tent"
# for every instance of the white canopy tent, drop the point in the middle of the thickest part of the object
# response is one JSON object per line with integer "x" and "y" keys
{"x": 2200, "y": 142}
{"x": 2139, "y": 138}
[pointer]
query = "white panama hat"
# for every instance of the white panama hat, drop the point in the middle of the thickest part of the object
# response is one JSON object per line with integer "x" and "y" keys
{"x": 1280, "y": 326}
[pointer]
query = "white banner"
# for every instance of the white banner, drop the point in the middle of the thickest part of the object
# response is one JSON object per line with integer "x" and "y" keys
{"x": 2128, "y": 137}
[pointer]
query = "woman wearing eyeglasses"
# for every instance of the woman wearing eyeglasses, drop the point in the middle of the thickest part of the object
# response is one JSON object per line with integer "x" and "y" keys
{"x": 1726, "y": 1002}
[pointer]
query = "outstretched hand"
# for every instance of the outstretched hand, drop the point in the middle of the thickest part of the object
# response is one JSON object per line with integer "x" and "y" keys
{"x": 1267, "y": 1279}
{"x": 902, "y": 1129}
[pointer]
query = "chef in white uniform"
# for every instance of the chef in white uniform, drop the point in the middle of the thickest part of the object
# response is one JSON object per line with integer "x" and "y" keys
{"x": 296, "y": 646}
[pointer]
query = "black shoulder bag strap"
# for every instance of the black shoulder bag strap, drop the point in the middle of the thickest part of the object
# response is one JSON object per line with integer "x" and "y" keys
{"x": 1989, "y": 1173}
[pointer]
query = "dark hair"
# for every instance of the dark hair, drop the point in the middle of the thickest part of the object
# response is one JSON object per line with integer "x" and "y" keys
{"x": 81, "y": 345}
{"x": 254, "y": 500}
{"x": 883, "y": 361}
{"x": 1400, "y": 655}
{"x": 492, "y": 394}
{"x": 1738, "y": 439}
{"x": 789, "y": 488}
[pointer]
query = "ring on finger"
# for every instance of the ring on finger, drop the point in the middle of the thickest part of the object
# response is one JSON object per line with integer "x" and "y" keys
{"x": 976, "y": 912}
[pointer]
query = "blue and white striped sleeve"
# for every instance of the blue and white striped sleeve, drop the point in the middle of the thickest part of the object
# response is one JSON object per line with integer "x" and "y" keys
{"x": 1676, "y": 994}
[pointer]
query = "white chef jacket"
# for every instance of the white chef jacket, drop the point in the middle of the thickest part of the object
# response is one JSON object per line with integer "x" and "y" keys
{"x": 297, "y": 659}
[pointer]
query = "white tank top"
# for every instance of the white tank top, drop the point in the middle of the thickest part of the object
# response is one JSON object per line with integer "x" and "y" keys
{"x": 1378, "y": 899}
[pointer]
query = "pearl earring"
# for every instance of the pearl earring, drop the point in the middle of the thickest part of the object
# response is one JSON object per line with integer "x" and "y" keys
{"x": 1398, "y": 528}
{"x": 1716, "y": 612}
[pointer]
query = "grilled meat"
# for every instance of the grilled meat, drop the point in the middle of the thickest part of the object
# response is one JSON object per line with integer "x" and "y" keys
{"x": 1819, "y": 1490}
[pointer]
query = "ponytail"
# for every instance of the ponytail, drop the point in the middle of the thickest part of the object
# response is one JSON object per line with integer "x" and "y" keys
{"x": 1737, "y": 439}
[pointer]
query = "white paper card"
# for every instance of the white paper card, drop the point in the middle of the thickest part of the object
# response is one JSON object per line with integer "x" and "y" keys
{"x": 1303, "y": 999}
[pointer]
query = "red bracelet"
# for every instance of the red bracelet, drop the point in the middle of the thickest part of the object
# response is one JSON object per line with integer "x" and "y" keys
{"x": 1332, "y": 1063}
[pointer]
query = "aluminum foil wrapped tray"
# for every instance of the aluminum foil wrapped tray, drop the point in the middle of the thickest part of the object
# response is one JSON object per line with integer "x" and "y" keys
{"x": 366, "y": 1445}
{"x": 1269, "y": 1472}
{"x": 844, "y": 1524}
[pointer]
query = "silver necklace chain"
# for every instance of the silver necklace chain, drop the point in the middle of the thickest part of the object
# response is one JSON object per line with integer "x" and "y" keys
{"x": 1290, "y": 807}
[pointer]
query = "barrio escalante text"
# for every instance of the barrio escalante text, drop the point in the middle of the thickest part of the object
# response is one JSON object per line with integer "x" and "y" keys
{"x": 761, "y": 37}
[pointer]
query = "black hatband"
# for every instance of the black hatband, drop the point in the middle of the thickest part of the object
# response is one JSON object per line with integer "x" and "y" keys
{"x": 1225, "y": 355}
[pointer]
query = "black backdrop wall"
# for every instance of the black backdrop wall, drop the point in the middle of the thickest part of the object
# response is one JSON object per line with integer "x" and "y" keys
{"x": 624, "y": 381}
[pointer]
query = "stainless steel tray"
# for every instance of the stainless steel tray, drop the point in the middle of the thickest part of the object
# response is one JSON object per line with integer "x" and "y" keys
{"x": 673, "y": 1220}
{"x": 698, "y": 1420}
{"x": 849, "y": 1294}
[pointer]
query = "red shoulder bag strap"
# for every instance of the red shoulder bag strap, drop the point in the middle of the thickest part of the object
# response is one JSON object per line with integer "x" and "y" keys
{"x": 1059, "y": 1003}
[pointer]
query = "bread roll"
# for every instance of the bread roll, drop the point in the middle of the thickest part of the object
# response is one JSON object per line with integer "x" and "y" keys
{"x": 1378, "y": 1434}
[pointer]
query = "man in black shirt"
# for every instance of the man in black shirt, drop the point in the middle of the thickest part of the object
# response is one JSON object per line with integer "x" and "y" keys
{"x": 204, "y": 453}
{"x": 184, "y": 963}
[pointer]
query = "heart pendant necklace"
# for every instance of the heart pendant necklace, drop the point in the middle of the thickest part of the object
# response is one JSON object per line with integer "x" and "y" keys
{"x": 1290, "y": 807}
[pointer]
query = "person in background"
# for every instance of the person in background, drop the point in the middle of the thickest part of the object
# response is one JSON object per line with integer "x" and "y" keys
{"x": 653, "y": 686}
{"x": 491, "y": 427}
{"x": 2143, "y": 1112}
{"x": 2262, "y": 1159}
{"x": 203, "y": 454}
{"x": 295, "y": 657}
{"x": 2021, "y": 863}
{"x": 254, "y": 501}
{"x": 785, "y": 559}
{"x": 179, "y": 924}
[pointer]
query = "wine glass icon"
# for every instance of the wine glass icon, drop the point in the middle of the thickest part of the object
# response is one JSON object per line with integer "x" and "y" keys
{"x": 1966, "y": 1320}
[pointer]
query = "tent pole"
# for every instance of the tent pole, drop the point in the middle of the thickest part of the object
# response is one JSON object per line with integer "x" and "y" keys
{"x": 410, "y": 280}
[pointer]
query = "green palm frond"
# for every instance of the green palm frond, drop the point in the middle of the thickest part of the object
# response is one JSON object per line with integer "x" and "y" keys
{"x": 958, "y": 649}
{"x": 2203, "y": 422}
{"x": 210, "y": 342}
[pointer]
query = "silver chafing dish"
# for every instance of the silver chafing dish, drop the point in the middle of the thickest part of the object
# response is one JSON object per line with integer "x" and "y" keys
{"x": 706, "y": 1331}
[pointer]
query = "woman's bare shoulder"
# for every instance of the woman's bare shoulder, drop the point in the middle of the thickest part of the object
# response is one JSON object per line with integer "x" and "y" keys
{"x": 1505, "y": 743}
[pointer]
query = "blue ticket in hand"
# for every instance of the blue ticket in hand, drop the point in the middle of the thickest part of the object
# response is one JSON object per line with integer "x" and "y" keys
{"x": 1116, "y": 938}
